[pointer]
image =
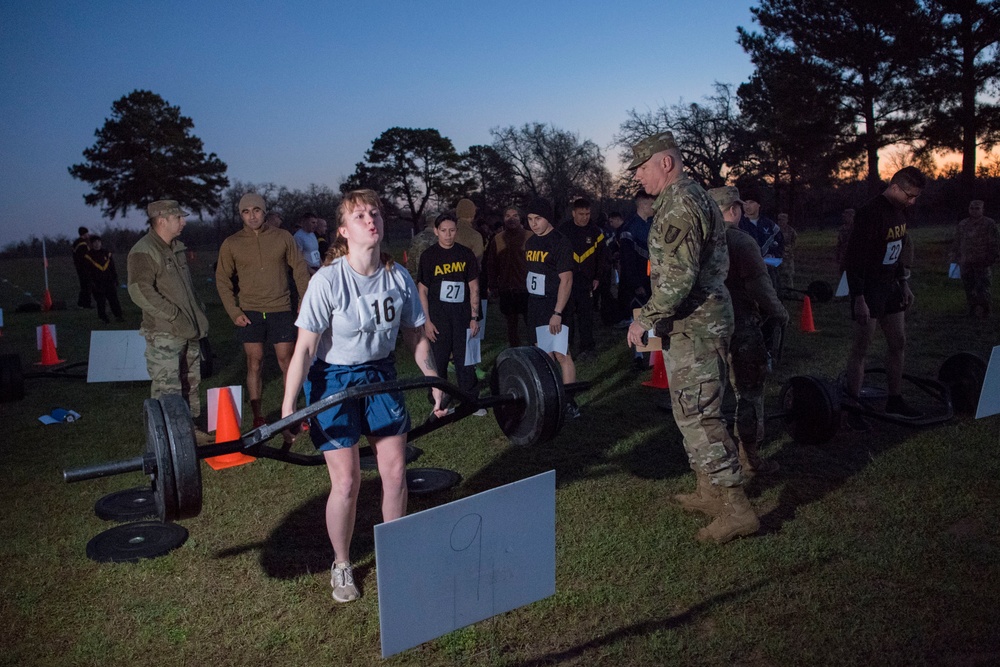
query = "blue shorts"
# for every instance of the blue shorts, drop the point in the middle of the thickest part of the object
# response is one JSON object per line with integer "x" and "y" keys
{"x": 343, "y": 424}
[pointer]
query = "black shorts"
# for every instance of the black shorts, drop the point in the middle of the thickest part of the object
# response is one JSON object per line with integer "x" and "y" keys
{"x": 268, "y": 328}
{"x": 513, "y": 303}
{"x": 540, "y": 309}
{"x": 886, "y": 300}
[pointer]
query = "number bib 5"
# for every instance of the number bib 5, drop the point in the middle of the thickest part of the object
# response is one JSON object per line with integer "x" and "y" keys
{"x": 452, "y": 291}
{"x": 379, "y": 311}
{"x": 536, "y": 283}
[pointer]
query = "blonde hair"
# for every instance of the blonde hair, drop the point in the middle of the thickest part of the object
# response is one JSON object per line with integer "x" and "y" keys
{"x": 351, "y": 200}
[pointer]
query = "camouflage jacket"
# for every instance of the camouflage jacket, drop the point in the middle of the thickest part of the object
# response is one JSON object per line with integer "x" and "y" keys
{"x": 159, "y": 282}
{"x": 977, "y": 242}
{"x": 423, "y": 240}
{"x": 689, "y": 262}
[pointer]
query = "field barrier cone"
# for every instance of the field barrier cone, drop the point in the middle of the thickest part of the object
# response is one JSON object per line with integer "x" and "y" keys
{"x": 659, "y": 380}
{"x": 806, "y": 320}
{"x": 46, "y": 302}
{"x": 406, "y": 259}
{"x": 227, "y": 428}
{"x": 49, "y": 356}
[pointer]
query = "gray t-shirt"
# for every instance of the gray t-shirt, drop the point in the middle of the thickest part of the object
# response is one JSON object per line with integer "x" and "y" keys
{"x": 309, "y": 247}
{"x": 358, "y": 317}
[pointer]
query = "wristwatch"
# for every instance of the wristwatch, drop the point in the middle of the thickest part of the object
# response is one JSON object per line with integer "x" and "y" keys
{"x": 556, "y": 312}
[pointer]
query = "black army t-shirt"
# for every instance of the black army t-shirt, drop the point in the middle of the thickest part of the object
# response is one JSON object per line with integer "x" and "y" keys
{"x": 547, "y": 256}
{"x": 446, "y": 273}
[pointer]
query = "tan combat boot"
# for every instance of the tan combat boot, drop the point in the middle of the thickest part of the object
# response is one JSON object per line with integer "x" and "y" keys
{"x": 752, "y": 463}
{"x": 707, "y": 498}
{"x": 737, "y": 518}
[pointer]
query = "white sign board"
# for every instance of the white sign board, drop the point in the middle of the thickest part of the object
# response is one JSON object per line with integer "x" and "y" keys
{"x": 989, "y": 398}
{"x": 117, "y": 356}
{"x": 450, "y": 566}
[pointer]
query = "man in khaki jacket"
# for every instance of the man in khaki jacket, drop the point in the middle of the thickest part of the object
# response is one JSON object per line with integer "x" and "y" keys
{"x": 257, "y": 258}
{"x": 173, "y": 317}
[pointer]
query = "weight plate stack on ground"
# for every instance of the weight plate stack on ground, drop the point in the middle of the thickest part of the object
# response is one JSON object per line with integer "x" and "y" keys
{"x": 11, "y": 378}
{"x": 129, "y": 542}
{"x": 812, "y": 409}
{"x": 533, "y": 377}
{"x": 368, "y": 461}
{"x": 820, "y": 291}
{"x": 184, "y": 455}
{"x": 158, "y": 446}
{"x": 420, "y": 481}
{"x": 963, "y": 374}
{"x": 127, "y": 505}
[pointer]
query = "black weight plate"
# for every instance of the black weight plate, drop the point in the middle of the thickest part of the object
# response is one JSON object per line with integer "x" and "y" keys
{"x": 812, "y": 409}
{"x": 127, "y": 505}
{"x": 429, "y": 480}
{"x": 368, "y": 461}
{"x": 963, "y": 374}
{"x": 531, "y": 375}
{"x": 820, "y": 291}
{"x": 11, "y": 378}
{"x": 129, "y": 542}
{"x": 184, "y": 450}
{"x": 158, "y": 445}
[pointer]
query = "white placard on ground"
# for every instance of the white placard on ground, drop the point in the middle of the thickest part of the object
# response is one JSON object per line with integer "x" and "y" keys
{"x": 553, "y": 343}
{"x": 213, "y": 405}
{"x": 117, "y": 356}
{"x": 450, "y": 566}
{"x": 38, "y": 335}
{"x": 473, "y": 349}
{"x": 954, "y": 271}
{"x": 842, "y": 289}
{"x": 989, "y": 398}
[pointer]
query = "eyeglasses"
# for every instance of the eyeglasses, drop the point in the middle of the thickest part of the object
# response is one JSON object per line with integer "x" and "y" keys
{"x": 909, "y": 195}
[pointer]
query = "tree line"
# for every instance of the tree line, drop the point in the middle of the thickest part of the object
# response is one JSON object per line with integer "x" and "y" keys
{"x": 837, "y": 87}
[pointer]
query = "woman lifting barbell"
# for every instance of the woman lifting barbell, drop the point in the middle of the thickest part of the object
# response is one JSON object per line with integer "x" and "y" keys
{"x": 352, "y": 312}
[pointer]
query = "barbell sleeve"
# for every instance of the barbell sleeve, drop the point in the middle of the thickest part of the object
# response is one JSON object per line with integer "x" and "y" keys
{"x": 104, "y": 469}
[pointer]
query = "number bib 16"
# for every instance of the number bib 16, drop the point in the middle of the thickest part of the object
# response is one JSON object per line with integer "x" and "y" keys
{"x": 378, "y": 312}
{"x": 536, "y": 283}
{"x": 452, "y": 291}
{"x": 892, "y": 251}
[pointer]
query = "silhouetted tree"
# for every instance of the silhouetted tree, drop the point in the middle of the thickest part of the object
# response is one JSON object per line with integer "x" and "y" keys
{"x": 145, "y": 151}
{"x": 494, "y": 179}
{"x": 412, "y": 168}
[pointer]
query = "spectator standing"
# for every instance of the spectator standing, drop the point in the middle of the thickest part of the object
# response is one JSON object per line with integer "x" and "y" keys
{"x": 80, "y": 249}
{"x": 305, "y": 240}
{"x": 765, "y": 232}
{"x": 587, "y": 242}
{"x": 786, "y": 272}
{"x": 975, "y": 250}
{"x": 103, "y": 279}
{"x": 505, "y": 264}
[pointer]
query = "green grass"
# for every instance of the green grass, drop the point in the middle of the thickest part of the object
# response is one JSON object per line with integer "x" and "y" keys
{"x": 875, "y": 549}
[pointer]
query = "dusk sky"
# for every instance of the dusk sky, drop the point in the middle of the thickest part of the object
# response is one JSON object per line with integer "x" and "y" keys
{"x": 295, "y": 92}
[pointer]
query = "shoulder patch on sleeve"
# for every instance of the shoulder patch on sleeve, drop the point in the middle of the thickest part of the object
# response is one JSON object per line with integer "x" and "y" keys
{"x": 671, "y": 234}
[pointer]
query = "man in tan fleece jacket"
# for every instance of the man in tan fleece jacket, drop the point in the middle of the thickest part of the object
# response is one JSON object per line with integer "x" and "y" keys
{"x": 251, "y": 278}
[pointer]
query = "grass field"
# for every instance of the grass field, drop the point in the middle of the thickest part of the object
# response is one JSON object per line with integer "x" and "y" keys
{"x": 876, "y": 549}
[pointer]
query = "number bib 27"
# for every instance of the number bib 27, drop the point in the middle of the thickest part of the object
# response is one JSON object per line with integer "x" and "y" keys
{"x": 892, "y": 251}
{"x": 536, "y": 283}
{"x": 378, "y": 312}
{"x": 452, "y": 291}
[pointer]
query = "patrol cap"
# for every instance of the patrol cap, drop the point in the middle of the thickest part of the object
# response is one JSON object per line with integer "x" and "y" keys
{"x": 161, "y": 208}
{"x": 251, "y": 199}
{"x": 650, "y": 146}
{"x": 725, "y": 196}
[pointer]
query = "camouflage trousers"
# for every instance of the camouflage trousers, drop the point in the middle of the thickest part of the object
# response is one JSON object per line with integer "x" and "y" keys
{"x": 174, "y": 366}
{"x": 696, "y": 371}
{"x": 977, "y": 282}
{"x": 747, "y": 373}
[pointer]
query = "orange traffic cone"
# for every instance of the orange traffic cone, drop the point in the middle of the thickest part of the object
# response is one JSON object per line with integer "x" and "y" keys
{"x": 806, "y": 320}
{"x": 49, "y": 356}
{"x": 659, "y": 380}
{"x": 46, "y": 302}
{"x": 227, "y": 429}
{"x": 405, "y": 258}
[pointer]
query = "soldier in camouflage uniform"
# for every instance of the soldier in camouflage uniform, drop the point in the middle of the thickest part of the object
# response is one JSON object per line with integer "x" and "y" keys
{"x": 173, "y": 317}
{"x": 690, "y": 308}
{"x": 976, "y": 249}
{"x": 754, "y": 301}
{"x": 421, "y": 241}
